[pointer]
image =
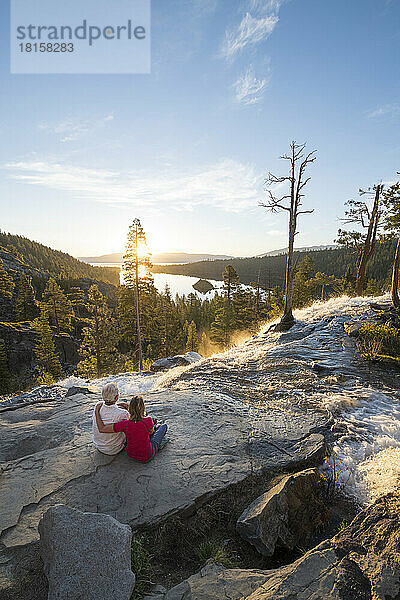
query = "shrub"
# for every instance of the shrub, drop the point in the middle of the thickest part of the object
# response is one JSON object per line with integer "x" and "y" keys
{"x": 331, "y": 472}
{"x": 378, "y": 341}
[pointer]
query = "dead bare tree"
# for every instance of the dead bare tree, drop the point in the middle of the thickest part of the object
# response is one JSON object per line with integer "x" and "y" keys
{"x": 291, "y": 203}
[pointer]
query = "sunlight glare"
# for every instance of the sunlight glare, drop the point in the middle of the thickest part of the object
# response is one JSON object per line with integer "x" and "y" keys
{"x": 143, "y": 271}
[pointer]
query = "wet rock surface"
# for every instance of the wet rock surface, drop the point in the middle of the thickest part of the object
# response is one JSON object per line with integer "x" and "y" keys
{"x": 214, "y": 443}
{"x": 76, "y": 389}
{"x": 85, "y": 555}
{"x": 180, "y": 360}
{"x": 286, "y": 515}
{"x": 43, "y": 393}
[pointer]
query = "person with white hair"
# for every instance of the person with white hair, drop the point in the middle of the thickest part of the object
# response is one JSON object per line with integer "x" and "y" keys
{"x": 111, "y": 412}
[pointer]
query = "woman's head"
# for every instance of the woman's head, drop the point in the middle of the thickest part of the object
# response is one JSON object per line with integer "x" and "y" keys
{"x": 136, "y": 408}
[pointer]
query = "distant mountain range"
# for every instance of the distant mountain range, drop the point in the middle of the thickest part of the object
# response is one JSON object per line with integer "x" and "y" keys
{"x": 305, "y": 249}
{"x": 184, "y": 258}
{"x": 165, "y": 257}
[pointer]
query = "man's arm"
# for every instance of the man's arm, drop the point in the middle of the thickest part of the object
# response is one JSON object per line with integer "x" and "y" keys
{"x": 100, "y": 425}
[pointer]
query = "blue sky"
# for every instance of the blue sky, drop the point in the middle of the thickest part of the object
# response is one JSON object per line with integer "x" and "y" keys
{"x": 186, "y": 148}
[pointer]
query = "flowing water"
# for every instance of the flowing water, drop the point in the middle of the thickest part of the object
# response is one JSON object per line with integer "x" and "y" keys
{"x": 315, "y": 365}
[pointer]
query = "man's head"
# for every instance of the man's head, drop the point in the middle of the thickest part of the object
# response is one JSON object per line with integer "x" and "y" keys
{"x": 110, "y": 393}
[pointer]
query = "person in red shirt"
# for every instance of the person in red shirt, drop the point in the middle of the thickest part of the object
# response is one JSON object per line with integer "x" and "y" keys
{"x": 142, "y": 439}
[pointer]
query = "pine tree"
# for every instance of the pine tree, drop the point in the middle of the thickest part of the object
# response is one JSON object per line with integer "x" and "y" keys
{"x": 346, "y": 284}
{"x": 98, "y": 351}
{"x": 76, "y": 297}
{"x": 373, "y": 288}
{"x": 231, "y": 281}
{"x": 26, "y": 305}
{"x": 6, "y": 283}
{"x": 57, "y": 306}
{"x": 192, "y": 340}
{"x": 306, "y": 268}
{"x": 170, "y": 327}
{"x": 244, "y": 314}
{"x": 323, "y": 280}
{"x": 223, "y": 325}
{"x": 136, "y": 269}
{"x": 49, "y": 365}
{"x": 5, "y": 375}
{"x": 276, "y": 302}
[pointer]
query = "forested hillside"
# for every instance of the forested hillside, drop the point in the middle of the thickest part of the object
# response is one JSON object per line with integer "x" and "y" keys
{"x": 51, "y": 261}
{"x": 58, "y": 315}
{"x": 272, "y": 268}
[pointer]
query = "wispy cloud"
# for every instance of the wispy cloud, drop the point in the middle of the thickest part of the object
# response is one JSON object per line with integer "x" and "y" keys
{"x": 256, "y": 25}
{"x": 251, "y": 31}
{"x": 387, "y": 110}
{"x": 265, "y": 6}
{"x": 71, "y": 129}
{"x": 227, "y": 184}
{"x": 248, "y": 89}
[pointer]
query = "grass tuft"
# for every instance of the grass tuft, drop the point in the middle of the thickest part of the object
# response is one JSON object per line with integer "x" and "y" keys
{"x": 141, "y": 566}
{"x": 216, "y": 551}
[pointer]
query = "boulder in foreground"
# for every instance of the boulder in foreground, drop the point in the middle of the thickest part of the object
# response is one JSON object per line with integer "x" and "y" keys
{"x": 85, "y": 555}
{"x": 214, "y": 582}
{"x": 286, "y": 515}
{"x": 362, "y": 562}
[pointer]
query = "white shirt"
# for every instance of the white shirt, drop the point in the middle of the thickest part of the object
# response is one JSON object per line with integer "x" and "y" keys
{"x": 109, "y": 443}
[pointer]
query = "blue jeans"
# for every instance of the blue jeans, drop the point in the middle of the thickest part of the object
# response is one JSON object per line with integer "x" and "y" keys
{"x": 156, "y": 438}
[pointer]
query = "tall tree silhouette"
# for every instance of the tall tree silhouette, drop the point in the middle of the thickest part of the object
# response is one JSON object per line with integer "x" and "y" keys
{"x": 135, "y": 267}
{"x": 231, "y": 281}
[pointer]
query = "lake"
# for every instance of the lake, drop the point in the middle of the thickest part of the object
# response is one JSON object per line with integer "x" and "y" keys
{"x": 178, "y": 284}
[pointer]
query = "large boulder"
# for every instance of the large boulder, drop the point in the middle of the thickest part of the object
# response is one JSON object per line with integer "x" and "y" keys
{"x": 77, "y": 389}
{"x": 85, "y": 555}
{"x": 362, "y": 562}
{"x": 286, "y": 515}
{"x": 214, "y": 582}
{"x": 180, "y": 360}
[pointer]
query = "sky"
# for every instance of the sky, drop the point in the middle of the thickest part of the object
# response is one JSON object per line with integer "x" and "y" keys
{"x": 187, "y": 148}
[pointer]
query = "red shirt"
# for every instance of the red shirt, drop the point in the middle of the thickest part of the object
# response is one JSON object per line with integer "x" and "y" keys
{"x": 137, "y": 437}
